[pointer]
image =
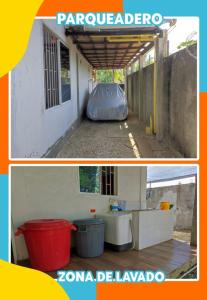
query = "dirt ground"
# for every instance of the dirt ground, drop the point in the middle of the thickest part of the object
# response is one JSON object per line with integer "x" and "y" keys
{"x": 185, "y": 236}
{"x": 125, "y": 139}
{"x": 192, "y": 274}
{"x": 182, "y": 235}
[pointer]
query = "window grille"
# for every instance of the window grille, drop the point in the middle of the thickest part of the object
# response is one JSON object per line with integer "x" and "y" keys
{"x": 101, "y": 180}
{"x": 51, "y": 68}
{"x": 108, "y": 181}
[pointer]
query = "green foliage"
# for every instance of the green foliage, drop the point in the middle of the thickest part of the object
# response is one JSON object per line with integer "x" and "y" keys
{"x": 104, "y": 76}
{"x": 110, "y": 76}
{"x": 89, "y": 179}
{"x": 118, "y": 76}
{"x": 136, "y": 66}
{"x": 186, "y": 44}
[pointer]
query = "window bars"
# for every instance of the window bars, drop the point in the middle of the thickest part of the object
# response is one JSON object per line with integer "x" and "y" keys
{"x": 108, "y": 181}
{"x": 51, "y": 68}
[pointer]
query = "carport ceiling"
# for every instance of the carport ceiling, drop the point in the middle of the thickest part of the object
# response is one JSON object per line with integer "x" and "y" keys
{"x": 113, "y": 48}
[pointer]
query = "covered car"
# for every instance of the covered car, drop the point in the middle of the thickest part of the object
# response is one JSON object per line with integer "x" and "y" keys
{"x": 107, "y": 102}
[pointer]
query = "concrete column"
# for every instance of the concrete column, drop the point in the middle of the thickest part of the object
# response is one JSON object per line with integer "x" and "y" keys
{"x": 194, "y": 223}
{"x": 140, "y": 102}
{"x": 130, "y": 87}
{"x": 94, "y": 76}
{"x": 143, "y": 186}
{"x": 125, "y": 79}
{"x": 161, "y": 51}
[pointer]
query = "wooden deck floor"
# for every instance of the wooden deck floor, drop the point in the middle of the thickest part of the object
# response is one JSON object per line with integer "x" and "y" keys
{"x": 173, "y": 257}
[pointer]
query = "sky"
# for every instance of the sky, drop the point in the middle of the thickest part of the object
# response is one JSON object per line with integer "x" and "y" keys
{"x": 182, "y": 31}
{"x": 164, "y": 172}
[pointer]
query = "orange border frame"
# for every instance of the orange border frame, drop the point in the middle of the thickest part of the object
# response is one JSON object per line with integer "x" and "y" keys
{"x": 169, "y": 290}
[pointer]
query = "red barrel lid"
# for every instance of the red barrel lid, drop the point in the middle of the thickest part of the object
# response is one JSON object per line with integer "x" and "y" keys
{"x": 45, "y": 224}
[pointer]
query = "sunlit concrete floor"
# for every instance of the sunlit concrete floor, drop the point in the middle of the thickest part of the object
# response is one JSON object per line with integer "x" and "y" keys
{"x": 182, "y": 235}
{"x": 125, "y": 139}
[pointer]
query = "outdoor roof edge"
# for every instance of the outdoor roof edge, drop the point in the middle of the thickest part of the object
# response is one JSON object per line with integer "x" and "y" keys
{"x": 80, "y": 30}
{"x": 113, "y": 48}
{"x": 166, "y": 173}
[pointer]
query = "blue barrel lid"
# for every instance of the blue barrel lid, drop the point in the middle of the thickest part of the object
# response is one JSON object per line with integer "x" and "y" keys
{"x": 89, "y": 221}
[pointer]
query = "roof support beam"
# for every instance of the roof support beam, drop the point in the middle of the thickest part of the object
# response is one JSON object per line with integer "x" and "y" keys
{"x": 114, "y": 48}
{"x": 110, "y": 43}
{"x": 146, "y": 49}
{"x": 108, "y": 55}
{"x": 117, "y": 32}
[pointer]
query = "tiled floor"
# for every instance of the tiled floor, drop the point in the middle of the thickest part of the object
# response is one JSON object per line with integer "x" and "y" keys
{"x": 173, "y": 257}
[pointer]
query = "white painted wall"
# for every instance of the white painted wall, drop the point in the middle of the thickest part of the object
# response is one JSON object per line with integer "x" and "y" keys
{"x": 33, "y": 128}
{"x": 84, "y": 89}
{"x": 152, "y": 227}
{"x": 53, "y": 192}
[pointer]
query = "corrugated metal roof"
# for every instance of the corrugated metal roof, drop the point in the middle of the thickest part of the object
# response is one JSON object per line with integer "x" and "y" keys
{"x": 113, "y": 48}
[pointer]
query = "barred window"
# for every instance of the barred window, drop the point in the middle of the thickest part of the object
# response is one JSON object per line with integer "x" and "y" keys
{"x": 101, "y": 180}
{"x": 89, "y": 179}
{"x": 51, "y": 69}
{"x": 56, "y": 70}
{"x": 65, "y": 72}
{"x": 108, "y": 181}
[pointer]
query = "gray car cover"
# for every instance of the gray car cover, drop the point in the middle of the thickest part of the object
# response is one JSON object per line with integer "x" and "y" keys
{"x": 107, "y": 102}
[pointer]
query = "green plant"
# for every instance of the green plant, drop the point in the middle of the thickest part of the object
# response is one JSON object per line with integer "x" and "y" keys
{"x": 110, "y": 76}
{"x": 186, "y": 44}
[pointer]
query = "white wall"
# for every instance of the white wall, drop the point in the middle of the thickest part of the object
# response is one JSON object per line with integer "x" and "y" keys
{"x": 33, "y": 128}
{"x": 84, "y": 86}
{"x": 53, "y": 192}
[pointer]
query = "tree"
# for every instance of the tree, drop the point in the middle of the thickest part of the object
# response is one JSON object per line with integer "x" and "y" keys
{"x": 186, "y": 44}
{"x": 119, "y": 76}
{"x": 104, "y": 76}
{"x": 89, "y": 179}
{"x": 110, "y": 76}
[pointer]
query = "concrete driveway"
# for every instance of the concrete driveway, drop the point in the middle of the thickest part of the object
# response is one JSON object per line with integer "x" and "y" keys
{"x": 125, "y": 139}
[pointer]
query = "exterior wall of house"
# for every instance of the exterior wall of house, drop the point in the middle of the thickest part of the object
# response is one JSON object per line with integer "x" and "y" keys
{"x": 35, "y": 129}
{"x": 53, "y": 192}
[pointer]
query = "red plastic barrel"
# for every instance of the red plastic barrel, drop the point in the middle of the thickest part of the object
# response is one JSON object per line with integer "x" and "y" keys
{"x": 48, "y": 242}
